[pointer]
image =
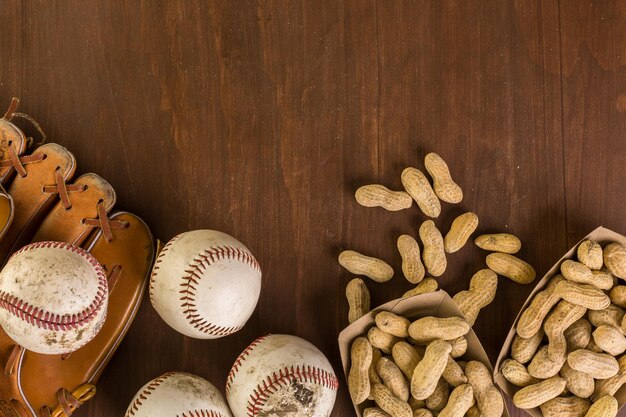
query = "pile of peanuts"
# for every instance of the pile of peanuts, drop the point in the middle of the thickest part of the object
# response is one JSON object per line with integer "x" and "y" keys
{"x": 567, "y": 356}
{"x": 410, "y": 369}
{"x": 432, "y": 259}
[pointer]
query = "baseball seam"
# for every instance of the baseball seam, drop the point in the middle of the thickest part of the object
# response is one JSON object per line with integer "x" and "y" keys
{"x": 274, "y": 382}
{"x": 158, "y": 261}
{"x": 145, "y": 393}
{"x": 52, "y": 321}
{"x": 189, "y": 282}
{"x": 201, "y": 413}
{"x": 240, "y": 359}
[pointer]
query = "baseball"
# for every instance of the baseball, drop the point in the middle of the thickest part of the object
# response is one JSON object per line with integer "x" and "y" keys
{"x": 205, "y": 284}
{"x": 178, "y": 394}
{"x": 53, "y": 297}
{"x": 281, "y": 375}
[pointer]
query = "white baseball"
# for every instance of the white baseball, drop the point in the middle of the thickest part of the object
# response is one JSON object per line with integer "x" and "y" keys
{"x": 205, "y": 284}
{"x": 178, "y": 394}
{"x": 281, "y": 375}
{"x": 53, "y": 297}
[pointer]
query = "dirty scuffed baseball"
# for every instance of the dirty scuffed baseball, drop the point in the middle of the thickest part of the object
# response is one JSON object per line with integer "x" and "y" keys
{"x": 281, "y": 375}
{"x": 53, "y": 297}
{"x": 178, "y": 394}
{"x": 205, "y": 284}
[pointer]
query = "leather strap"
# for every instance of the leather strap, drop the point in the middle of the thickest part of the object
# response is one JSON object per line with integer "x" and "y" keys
{"x": 15, "y": 102}
{"x": 17, "y": 162}
{"x": 63, "y": 189}
{"x": 106, "y": 224}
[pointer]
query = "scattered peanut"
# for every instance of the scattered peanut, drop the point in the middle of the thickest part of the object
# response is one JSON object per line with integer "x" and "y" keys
{"x": 562, "y": 317}
{"x": 598, "y": 365}
{"x": 422, "y": 412}
{"x": 460, "y": 231}
{"x": 611, "y": 385}
{"x": 358, "y": 299}
{"x": 389, "y": 403}
{"x": 453, "y": 374}
{"x": 358, "y": 378}
{"x": 412, "y": 266}
{"x": 612, "y": 316}
{"x": 373, "y": 375}
{"x": 523, "y": 349}
{"x": 593, "y": 347}
{"x": 565, "y": 407}
{"x": 473, "y": 411}
{"x": 430, "y": 328}
{"x": 418, "y": 187}
{"x": 374, "y": 412}
{"x": 615, "y": 259}
{"x": 578, "y": 383}
{"x": 429, "y": 369}
{"x": 393, "y": 324}
{"x": 542, "y": 367}
{"x": 511, "y": 267}
{"x": 376, "y": 195}
{"x": 439, "y": 398}
{"x": 426, "y": 286}
{"x": 532, "y": 318}
{"x": 447, "y": 190}
{"x": 459, "y": 347}
{"x": 358, "y": 264}
{"x": 488, "y": 398}
{"x": 618, "y": 295}
{"x": 434, "y": 256}
{"x": 461, "y": 399}
{"x": 581, "y": 274}
{"x": 583, "y": 295}
{"x": 604, "y": 407}
{"x": 501, "y": 242}
{"x": 534, "y": 395}
{"x": 482, "y": 291}
{"x": 610, "y": 339}
{"x": 516, "y": 373}
{"x": 578, "y": 335}
{"x": 406, "y": 357}
{"x": 590, "y": 254}
{"x": 381, "y": 340}
{"x": 392, "y": 378}
{"x": 416, "y": 404}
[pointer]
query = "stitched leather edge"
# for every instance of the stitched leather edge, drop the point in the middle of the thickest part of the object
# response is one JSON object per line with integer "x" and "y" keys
{"x": 275, "y": 381}
{"x": 145, "y": 393}
{"x": 240, "y": 359}
{"x": 51, "y": 321}
{"x": 158, "y": 261}
{"x": 189, "y": 282}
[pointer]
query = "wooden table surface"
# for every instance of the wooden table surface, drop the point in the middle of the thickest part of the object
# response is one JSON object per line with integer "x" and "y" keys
{"x": 261, "y": 118}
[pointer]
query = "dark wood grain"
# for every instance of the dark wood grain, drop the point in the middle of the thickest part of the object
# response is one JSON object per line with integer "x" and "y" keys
{"x": 261, "y": 118}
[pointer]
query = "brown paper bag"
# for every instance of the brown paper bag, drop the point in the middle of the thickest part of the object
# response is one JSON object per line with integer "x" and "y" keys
{"x": 602, "y": 236}
{"x": 437, "y": 304}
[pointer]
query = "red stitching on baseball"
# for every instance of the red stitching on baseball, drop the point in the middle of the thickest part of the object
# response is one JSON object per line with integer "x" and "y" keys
{"x": 52, "y": 321}
{"x": 274, "y": 382}
{"x": 201, "y": 413}
{"x": 188, "y": 286}
{"x": 143, "y": 395}
{"x": 240, "y": 359}
{"x": 158, "y": 260}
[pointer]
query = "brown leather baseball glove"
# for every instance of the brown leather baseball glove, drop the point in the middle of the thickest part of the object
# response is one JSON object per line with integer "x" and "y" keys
{"x": 43, "y": 203}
